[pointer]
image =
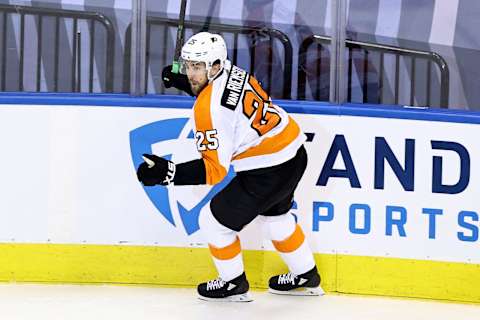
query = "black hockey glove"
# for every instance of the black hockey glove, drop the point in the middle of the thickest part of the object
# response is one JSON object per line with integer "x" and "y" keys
{"x": 176, "y": 80}
{"x": 155, "y": 170}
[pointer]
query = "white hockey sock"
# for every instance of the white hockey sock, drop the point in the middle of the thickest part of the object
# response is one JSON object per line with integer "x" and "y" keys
{"x": 228, "y": 260}
{"x": 289, "y": 240}
{"x": 224, "y": 245}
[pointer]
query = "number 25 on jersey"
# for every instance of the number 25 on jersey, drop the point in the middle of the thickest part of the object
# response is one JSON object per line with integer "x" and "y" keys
{"x": 211, "y": 142}
{"x": 257, "y": 105}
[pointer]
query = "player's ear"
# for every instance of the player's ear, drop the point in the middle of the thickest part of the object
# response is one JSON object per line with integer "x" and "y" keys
{"x": 215, "y": 68}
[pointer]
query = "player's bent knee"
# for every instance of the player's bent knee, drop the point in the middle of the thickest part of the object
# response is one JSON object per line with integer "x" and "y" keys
{"x": 214, "y": 232}
{"x": 278, "y": 227}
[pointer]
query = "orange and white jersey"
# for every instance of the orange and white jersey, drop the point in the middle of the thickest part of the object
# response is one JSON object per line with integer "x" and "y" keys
{"x": 236, "y": 123}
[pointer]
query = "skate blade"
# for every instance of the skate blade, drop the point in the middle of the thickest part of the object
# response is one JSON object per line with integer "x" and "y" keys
{"x": 244, "y": 297}
{"x": 318, "y": 291}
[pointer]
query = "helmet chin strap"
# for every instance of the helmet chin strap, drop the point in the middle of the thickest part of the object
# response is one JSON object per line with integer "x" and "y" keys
{"x": 213, "y": 77}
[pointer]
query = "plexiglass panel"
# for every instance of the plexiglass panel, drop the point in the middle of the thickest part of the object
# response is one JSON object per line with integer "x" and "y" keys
{"x": 63, "y": 45}
{"x": 411, "y": 52}
{"x": 272, "y": 39}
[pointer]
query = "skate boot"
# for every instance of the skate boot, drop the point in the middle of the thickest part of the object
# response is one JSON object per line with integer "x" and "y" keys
{"x": 307, "y": 284}
{"x": 235, "y": 290}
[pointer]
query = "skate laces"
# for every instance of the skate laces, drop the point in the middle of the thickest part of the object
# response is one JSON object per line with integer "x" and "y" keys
{"x": 287, "y": 278}
{"x": 215, "y": 284}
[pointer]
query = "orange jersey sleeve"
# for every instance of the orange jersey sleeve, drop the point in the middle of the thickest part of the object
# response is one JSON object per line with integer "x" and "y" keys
{"x": 212, "y": 135}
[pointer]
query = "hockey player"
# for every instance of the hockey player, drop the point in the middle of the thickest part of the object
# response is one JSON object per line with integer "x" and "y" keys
{"x": 236, "y": 123}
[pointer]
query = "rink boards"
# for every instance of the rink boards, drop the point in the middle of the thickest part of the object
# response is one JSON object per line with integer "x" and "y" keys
{"x": 387, "y": 201}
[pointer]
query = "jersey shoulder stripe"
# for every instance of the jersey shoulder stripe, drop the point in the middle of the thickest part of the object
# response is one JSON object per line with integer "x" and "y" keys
{"x": 233, "y": 87}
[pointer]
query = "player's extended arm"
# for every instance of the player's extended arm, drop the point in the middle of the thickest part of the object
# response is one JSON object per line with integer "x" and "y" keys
{"x": 176, "y": 80}
{"x": 156, "y": 170}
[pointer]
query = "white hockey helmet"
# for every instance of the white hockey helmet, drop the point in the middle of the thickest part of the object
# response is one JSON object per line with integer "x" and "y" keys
{"x": 205, "y": 47}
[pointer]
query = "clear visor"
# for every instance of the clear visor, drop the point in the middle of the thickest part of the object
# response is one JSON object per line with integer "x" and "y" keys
{"x": 192, "y": 67}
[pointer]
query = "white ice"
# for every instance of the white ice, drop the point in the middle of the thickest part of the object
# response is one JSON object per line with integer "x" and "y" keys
{"x": 72, "y": 302}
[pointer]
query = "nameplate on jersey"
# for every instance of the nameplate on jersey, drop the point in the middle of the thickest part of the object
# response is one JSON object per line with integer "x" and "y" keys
{"x": 233, "y": 88}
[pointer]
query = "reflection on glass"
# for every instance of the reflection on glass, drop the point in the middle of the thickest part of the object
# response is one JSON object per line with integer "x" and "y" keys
{"x": 263, "y": 36}
{"x": 432, "y": 55}
{"x": 59, "y": 46}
